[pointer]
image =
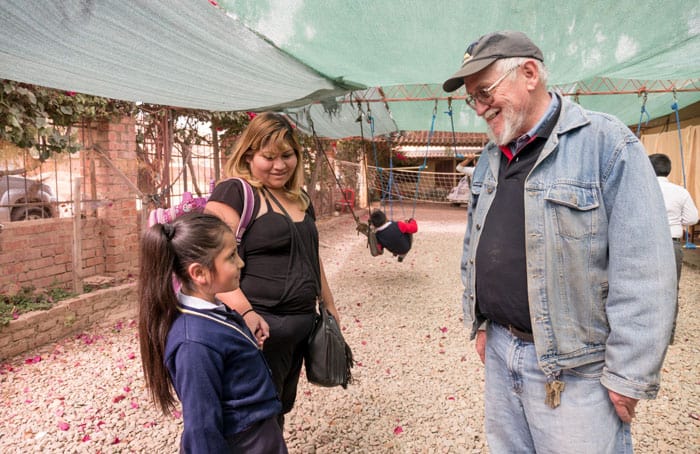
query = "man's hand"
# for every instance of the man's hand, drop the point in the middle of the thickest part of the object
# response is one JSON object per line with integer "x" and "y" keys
{"x": 481, "y": 345}
{"x": 258, "y": 326}
{"x": 624, "y": 406}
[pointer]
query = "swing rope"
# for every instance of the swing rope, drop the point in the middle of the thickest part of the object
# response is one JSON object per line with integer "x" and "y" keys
{"x": 385, "y": 192}
{"x": 643, "y": 94}
{"x": 452, "y": 126}
{"x": 360, "y": 119}
{"x": 674, "y": 107}
{"x": 390, "y": 183}
{"x": 319, "y": 147}
{"x": 425, "y": 158}
{"x": 382, "y": 190}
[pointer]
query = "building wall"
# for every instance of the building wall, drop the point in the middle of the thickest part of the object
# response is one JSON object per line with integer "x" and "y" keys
{"x": 39, "y": 253}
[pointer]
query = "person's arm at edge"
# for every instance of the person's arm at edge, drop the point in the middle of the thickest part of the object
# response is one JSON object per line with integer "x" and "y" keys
{"x": 632, "y": 363}
{"x": 689, "y": 212}
{"x": 480, "y": 335}
{"x": 327, "y": 294}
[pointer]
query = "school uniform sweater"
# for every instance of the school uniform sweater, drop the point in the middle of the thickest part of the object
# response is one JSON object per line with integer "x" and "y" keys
{"x": 219, "y": 375}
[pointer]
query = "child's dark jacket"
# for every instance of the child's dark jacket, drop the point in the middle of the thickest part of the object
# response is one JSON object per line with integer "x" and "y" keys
{"x": 396, "y": 236}
{"x": 221, "y": 378}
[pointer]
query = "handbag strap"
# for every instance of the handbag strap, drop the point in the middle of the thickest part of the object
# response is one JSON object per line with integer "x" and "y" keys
{"x": 317, "y": 272}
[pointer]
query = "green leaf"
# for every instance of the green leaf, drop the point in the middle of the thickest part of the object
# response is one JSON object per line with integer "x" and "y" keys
{"x": 12, "y": 120}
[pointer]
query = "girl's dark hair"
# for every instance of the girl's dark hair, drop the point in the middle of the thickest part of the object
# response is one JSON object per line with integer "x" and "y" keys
{"x": 377, "y": 218}
{"x": 168, "y": 250}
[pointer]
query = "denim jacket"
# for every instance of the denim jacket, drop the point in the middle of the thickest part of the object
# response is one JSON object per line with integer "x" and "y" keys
{"x": 600, "y": 265}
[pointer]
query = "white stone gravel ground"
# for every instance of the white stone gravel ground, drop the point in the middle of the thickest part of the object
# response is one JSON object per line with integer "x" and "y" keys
{"x": 418, "y": 382}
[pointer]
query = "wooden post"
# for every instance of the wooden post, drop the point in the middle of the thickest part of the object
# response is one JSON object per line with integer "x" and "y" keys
{"x": 77, "y": 237}
{"x": 363, "y": 184}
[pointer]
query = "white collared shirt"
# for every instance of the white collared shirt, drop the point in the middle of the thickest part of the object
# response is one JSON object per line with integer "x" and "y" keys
{"x": 680, "y": 208}
{"x": 193, "y": 302}
{"x": 468, "y": 171}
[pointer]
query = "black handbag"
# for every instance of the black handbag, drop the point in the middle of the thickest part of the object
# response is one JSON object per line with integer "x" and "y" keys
{"x": 328, "y": 358}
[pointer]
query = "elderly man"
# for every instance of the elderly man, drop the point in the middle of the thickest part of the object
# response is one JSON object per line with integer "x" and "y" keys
{"x": 567, "y": 264}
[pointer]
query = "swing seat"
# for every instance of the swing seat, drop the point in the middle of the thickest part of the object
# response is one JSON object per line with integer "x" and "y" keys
{"x": 374, "y": 248}
{"x": 369, "y": 232}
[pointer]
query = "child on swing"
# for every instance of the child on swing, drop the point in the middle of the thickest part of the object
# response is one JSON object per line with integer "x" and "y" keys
{"x": 395, "y": 237}
{"x": 192, "y": 344}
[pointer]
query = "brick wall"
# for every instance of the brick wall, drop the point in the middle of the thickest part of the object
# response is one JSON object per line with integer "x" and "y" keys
{"x": 39, "y": 253}
{"x": 68, "y": 317}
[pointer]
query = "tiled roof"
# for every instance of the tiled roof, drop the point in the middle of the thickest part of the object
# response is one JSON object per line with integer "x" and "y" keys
{"x": 442, "y": 138}
{"x": 436, "y": 152}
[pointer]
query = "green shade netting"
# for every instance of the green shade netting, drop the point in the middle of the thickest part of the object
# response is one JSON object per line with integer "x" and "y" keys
{"x": 287, "y": 54}
{"x": 411, "y": 42}
{"x": 184, "y": 53}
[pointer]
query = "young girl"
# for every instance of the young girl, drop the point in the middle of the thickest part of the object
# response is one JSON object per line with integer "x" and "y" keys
{"x": 192, "y": 343}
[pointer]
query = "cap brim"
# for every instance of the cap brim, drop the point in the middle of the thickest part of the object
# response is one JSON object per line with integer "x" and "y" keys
{"x": 473, "y": 67}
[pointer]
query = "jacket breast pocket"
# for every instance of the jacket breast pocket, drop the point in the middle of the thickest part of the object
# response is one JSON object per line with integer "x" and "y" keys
{"x": 575, "y": 209}
{"x": 475, "y": 190}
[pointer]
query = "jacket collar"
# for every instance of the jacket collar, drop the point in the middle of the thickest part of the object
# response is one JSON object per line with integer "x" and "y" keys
{"x": 572, "y": 116}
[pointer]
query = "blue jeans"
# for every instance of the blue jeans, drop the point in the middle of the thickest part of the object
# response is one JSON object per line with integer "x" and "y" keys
{"x": 678, "y": 252}
{"x": 519, "y": 421}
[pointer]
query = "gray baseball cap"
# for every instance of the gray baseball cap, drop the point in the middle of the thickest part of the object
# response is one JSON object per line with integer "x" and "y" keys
{"x": 488, "y": 49}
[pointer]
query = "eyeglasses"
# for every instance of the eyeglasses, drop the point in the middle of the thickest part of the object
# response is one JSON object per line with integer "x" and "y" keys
{"x": 483, "y": 95}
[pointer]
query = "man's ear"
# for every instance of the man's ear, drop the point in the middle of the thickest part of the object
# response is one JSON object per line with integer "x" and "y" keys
{"x": 531, "y": 73}
{"x": 198, "y": 274}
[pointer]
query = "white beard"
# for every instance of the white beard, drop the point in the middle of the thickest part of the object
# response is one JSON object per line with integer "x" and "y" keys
{"x": 512, "y": 124}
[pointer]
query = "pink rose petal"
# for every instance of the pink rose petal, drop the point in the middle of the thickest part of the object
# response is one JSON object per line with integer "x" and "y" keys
{"x": 33, "y": 360}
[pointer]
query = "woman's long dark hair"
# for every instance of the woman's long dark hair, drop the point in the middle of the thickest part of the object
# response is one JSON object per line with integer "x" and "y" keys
{"x": 168, "y": 250}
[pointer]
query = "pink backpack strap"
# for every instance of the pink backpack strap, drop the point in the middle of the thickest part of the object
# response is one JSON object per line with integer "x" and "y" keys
{"x": 247, "y": 211}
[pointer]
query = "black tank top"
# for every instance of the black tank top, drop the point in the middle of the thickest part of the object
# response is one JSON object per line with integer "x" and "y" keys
{"x": 281, "y": 269}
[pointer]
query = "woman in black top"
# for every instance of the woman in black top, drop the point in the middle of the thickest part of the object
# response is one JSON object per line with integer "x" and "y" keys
{"x": 283, "y": 273}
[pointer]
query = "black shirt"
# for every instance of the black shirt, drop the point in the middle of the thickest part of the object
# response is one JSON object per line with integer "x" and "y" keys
{"x": 501, "y": 260}
{"x": 281, "y": 274}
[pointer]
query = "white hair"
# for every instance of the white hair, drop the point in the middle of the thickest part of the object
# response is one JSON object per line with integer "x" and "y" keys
{"x": 506, "y": 64}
